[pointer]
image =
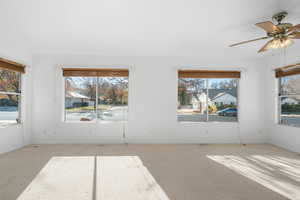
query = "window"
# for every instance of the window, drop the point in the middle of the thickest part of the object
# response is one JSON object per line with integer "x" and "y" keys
{"x": 207, "y": 96}
{"x": 96, "y": 94}
{"x": 289, "y": 96}
{"x": 10, "y": 91}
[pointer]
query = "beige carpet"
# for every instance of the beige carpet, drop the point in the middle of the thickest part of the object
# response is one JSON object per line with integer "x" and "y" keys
{"x": 150, "y": 172}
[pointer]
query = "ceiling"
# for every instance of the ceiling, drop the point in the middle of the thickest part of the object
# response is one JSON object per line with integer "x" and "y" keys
{"x": 139, "y": 27}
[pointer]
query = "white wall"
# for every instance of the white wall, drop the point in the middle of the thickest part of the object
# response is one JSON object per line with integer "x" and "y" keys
{"x": 152, "y": 103}
{"x": 285, "y": 136}
{"x": 16, "y": 136}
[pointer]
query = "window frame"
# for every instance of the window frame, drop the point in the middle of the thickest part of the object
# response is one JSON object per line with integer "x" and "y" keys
{"x": 207, "y": 115}
{"x": 96, "y": 120}
{"x": 278, "y": 99}
{"x": 20, "y": 97}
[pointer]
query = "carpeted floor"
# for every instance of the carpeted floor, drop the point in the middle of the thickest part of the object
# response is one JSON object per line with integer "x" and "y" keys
{"x": 150, "y": 172}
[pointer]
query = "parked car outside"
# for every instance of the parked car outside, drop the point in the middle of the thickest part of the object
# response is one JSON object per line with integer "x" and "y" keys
{"x": 228, "y": 112}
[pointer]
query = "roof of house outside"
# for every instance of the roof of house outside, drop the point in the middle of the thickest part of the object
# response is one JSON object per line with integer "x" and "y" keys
{"x": 214, "y": 93}
{"x": 71, "y": 94}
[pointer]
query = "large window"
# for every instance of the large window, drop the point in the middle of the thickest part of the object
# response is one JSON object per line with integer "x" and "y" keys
{"x": 202, "y": 98}
{"x": 102, "y": 96}
{"x": 10, "y": 91}
{"x": 289, "y": 100}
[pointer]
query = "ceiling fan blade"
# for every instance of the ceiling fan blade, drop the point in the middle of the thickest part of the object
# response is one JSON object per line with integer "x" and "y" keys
{"x": 267, "y": 46}
{"x": 294, "y": 35}
{"x": 244, "y": 42}
{"x": 269, "y": 27}
{"x": 294, "y": 28}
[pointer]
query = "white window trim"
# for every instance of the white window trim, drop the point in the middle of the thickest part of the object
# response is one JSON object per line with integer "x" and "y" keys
{"x": 278, "y": 99}
{"x": 7, "y": 123}
{"x": 97, "y": 120}
{"x": 211, "y": 122}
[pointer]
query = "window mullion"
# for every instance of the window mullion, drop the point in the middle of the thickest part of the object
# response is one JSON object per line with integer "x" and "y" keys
{"x": 65, "y": 92}
{"x": 207, "y": 100}
{"x": 20, "y": 99}
{"x": 97, "y": 80}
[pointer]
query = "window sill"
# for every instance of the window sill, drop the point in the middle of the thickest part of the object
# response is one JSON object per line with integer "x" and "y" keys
{"x": 79, "y": 122}
{"x": 287, "y": 125}
{"x": 209, "y": 122}
{"x": 112, "y": 122}
{"x": 95, "y": 122}
{"x": 5, "y": 124}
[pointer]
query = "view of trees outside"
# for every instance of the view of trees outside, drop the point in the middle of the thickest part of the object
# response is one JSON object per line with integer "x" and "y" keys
{"x": 83, "y": 94}
{"x": 112, "y": 98}
{"x": 289, "y": 99}
{"x": 80, "y": 98}
{"x": 207, "y": 99}
{"x": 9, "y": 95}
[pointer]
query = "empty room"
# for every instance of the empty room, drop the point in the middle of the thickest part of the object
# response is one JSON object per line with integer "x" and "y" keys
{"x": 150, "y": 100}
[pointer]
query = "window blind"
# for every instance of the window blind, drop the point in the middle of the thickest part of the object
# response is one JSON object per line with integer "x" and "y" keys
{"x": 287, "y": 70}
{"x": 12, "y": 66}
{"x": 208, "y": 74}
{"x": 95, "y": 72}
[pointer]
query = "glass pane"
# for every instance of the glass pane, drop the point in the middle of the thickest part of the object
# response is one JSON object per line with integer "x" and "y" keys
{"x": 290, "y": 110}
{"x": 191, "y": 100}
{"x": 80, "y": 98}
{"x": 112, "y": 98}
{"x": 9, "y": 108}
{"x": 9, "y": 81}
{"x": 222, "y": 101}
{"x": 290, "y": 85}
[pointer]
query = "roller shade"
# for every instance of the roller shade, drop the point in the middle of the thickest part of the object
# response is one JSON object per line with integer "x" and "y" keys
{"x": 208, "y": 74}
{"x": 287, "y": 70}
{"x": 12, "y": 66}
{"x": 95, "y": 72}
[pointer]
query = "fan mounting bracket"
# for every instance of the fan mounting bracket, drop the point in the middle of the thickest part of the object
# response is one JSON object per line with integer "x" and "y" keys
{"x": 278, "y": 17}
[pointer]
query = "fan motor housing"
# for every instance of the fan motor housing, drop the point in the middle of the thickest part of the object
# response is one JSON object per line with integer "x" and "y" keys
{"x": 279, "y": 16}
{"x": 285, "y": 25}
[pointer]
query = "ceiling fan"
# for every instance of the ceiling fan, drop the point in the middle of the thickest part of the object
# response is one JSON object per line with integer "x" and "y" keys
{"x": 281, "y": 34}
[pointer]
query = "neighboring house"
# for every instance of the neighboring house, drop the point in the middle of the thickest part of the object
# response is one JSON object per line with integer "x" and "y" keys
{"x": 224, "y": 98}
{"x": 216, "y": 97}
{"x": 74, "y": 97}
{"x": 289, "y": 101}
{"x": 199, "y": 102}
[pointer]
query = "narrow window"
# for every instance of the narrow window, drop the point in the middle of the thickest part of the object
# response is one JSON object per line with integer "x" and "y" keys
{"x": 10, "y": 91}
{"x": 80, "y": 98}
{"x": 96, "y": 94}
{"x": 207, "y": 96}
{"x": 112, "y": 98}
{"x": 289, "y": 95}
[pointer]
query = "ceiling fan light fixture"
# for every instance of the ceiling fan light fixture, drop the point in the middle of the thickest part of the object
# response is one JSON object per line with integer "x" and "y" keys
{"x": 286, "y": 42}
{"x": 280, "y": 43}
{"x": 282, "y": 34}
{"x": 276, "y": 44}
